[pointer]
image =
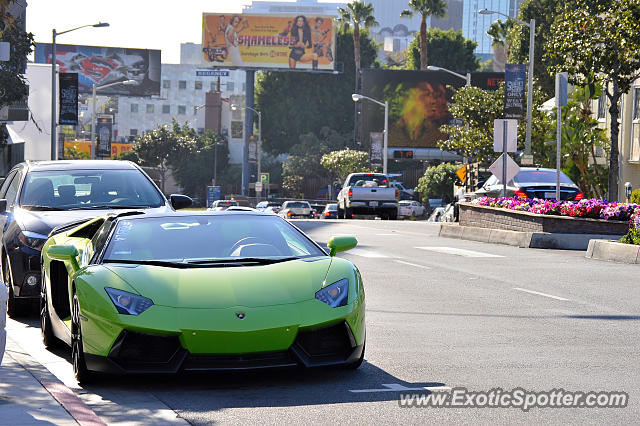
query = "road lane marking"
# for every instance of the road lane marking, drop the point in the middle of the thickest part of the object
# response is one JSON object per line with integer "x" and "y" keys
{"x": 395, "y": 387}
{"x": 459, "y": 252}
{"x": 541, "y": 294}
{"x": 366, "y": 253}
{"x": 413, "y": 264}
{"x": 386, "y": 235}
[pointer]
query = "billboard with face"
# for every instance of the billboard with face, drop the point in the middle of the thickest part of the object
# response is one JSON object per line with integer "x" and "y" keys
{"x": 417, "y": 103}
{"x": 104, "y": 65}
{"x": 268, "y": 41}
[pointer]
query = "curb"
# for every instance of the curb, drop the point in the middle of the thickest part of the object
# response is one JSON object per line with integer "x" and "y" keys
{"x": 542, "y": 240}
{"x": 613, "y": 251}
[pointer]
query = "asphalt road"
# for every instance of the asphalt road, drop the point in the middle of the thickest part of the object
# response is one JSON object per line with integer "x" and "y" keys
{"x": 440, "y": 313}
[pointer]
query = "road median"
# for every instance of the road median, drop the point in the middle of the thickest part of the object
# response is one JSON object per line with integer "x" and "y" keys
{"x": 613, "y": 251}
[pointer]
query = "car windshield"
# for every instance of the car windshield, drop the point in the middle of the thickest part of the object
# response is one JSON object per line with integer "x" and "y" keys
{"x": 540, "y": 176}
{"x": 368, "y": 177}
{"x": 298, "y": 205}
{"x": 332, "y": 207}
{"x": 87, "y": 189}
{"x": 207, "y": 238}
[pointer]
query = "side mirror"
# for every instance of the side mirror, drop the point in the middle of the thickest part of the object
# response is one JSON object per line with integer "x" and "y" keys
{"x": 3, "y": 205}
{"x": 65, "y": 253}
{"x": 180, "y": 201}
{"x": 341, "y": 243}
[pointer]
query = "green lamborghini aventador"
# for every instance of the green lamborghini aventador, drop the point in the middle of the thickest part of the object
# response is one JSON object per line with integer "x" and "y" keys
{"x": 162, "y": 293}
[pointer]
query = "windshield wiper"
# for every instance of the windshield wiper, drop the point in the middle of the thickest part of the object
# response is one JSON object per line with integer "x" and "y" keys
{"x": 42, "y": 208}
{"x": 242, "y": 261}
{"x": 107, "y": 206}
{"x": 149, "y": 262}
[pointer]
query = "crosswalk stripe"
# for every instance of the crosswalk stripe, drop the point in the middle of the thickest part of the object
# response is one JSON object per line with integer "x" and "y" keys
{"x": 459, "y": 252}
{"x": 366, "y": 253}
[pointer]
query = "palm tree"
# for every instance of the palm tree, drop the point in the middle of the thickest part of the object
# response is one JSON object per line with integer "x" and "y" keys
{"x": 426, "y": 9}
{"x": 498, "y": 32}
{"x": 360, "y": 14}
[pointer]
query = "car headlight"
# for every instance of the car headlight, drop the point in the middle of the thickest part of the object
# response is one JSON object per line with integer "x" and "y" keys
{"x": 128, "y": 303}
{"x": 334, "y": 295}
{"x": 32, "y": 239}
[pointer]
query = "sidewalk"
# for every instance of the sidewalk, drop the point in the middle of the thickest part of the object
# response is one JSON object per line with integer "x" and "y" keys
{"x": 31, "y": 395}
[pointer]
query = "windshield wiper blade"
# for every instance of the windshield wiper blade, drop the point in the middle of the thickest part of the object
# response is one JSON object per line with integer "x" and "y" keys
{"x": 149, "y": 262}
{"x": 242, "y": 260}
{"x": 43, "y": 208}
{"x": 103, "y": 206}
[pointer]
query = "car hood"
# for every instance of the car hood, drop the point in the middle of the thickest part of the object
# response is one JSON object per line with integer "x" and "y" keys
{"x": 43, "y": 222}
{"x": 223, "y": 287}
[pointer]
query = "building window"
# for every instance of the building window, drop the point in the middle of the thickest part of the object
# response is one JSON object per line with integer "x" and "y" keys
{"x": 149, "y": 108}
{"x": 636, "y": 103}
{"x": 198, "y": 85}
{"x": 182, "y": 109}
{"x": 182, "y": 84}
{"x": 134, "y": 107}
{"x": 166, "y": 84}
{"x": 230, "y": 86}
{"x": 213, "y": 86}
{"x": 634, "y": 155}
{"x": 236, "y": 129}
{"x": 602, "y": 106}
{"x": 133, "y": 133}
{"x": 166, "y": 109}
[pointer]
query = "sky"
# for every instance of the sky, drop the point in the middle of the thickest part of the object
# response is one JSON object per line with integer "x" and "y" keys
{"x": 150, "y": 24}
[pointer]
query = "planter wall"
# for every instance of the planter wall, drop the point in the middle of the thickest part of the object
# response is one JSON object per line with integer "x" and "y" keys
{"x": 512, "y": 220}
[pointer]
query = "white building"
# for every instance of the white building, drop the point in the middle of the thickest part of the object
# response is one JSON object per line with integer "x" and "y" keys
{"x": 310, "y": 7}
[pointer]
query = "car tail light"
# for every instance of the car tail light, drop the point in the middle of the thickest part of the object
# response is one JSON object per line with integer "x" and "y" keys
{"x": 289, "y": 214}
{"x": 350, "y": 193}
{"x": 327, "y": 214}
{"x": 397, "y": 193}
{"x": 520, "y": 193}
{"x": 579, "y": 196}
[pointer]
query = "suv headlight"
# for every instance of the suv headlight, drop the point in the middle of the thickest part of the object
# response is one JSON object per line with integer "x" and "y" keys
{"x": 336, "y": 294}
{"x": 128, "y": 303}
{"x": 32, "y": 239}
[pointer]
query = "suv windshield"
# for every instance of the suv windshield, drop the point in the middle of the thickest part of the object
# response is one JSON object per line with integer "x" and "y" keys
{"x": 86, "y": 189}
{"x": 202, "y": 238}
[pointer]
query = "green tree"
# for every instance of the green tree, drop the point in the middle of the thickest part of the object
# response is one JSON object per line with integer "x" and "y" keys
{"x": 479, "y": 108}
{"x": 155, "y": 148}
{"x": 293, "y": 185}
{"x": 437, "y": 182}
{"x": 426, "y": 9}
{"x": 12, "y": 80}
{"x": 600, "y": 38}
{"x": 498, "y": 32}
{"x": 448, "y": 49}
{"x": 341, "y": 163}
{"x": 360, "y": 15}
{"x": 545, "y": 12}
{"x": 297, "y": 103}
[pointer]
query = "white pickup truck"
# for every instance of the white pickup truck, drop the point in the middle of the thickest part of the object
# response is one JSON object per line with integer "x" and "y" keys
{"x": 368, "y": 194}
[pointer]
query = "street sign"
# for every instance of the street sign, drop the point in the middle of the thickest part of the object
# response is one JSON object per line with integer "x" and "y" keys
{"x": 562, "y": 83}
{"x": 497, "y": 167}
{"x": 258, "y": 187}
{"x": 515, "y": 78}
{"x": 213, "y": 193}
{"x": 264, "y": 178}
{"x": 212, "y": 73}
{"x": 498, "y": 135}
{"x": 462, "y": 174}
{"x": 377, "y": 144}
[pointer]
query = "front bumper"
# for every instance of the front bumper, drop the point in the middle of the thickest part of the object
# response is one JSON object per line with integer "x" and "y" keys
{"x": 138, "y": 353}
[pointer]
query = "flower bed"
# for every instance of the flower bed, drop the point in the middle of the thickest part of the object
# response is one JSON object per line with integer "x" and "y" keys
{"x": 588, "y": 209}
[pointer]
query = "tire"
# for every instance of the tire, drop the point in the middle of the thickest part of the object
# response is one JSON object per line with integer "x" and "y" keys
{"x": 348, "y": 213}
{"x": 80, "y": 371}
{"x": 46, "y": 331}
{"x": 340, "y": 214}
{"x": 358, "y": 363}
{"x": 393, "y": 215}
{"x": 15, "y": 307}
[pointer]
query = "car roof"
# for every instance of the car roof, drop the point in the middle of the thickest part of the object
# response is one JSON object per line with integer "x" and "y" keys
{"x": 79, "y": 165}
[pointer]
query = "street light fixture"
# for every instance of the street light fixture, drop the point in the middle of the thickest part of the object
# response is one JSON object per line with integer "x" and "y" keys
{"x": 93, "y": 110}
{"x": 466, "y": 77}
{"x": 54, "y": 127}
{"x": 357, "y": 98}
{"x": 235, "y": 107}
{"x": 532, "y": 35}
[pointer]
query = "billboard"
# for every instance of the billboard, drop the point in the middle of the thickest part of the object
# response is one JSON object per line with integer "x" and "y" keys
{"x": 268, "y": 41}
{"x": 84, "y": 147}
{"x": 68, "y": 95}
{"x": 417, "y": 103}
{"x": 104, "y": 65}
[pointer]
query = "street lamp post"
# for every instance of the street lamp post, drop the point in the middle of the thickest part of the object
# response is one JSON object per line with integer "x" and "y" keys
{"x": 356, "y": 98}
{"x": 54, "y": 127}
{"x": 93, "y": 110}
{"x": 259, "y": 154}
{"x": 532, "y": 34}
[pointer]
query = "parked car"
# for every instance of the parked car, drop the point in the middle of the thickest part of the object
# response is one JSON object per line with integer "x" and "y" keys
{"x": 408, "y": 208}
{"x": 368, "y": 194}
{"x": 159, "y": 293}
{"x": 221, "y": 205}
{"x": 436, "y": 215}
{"x": 270, "y": 206}
{"x": 404, "y": 193}
{"x": 293, "y": 209}
{"x": 330, "y": 212}
{"x": 37, "y": 197}
{"x": 532, "y": 182}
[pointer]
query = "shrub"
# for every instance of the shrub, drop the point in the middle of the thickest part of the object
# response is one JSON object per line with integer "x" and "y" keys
{"x": 635, "y": 197}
